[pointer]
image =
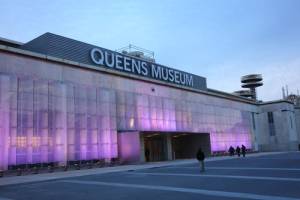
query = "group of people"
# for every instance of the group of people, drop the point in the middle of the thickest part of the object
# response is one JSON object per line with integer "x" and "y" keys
{"x": 201, "y": 156}
{"x": 238, "y": 151}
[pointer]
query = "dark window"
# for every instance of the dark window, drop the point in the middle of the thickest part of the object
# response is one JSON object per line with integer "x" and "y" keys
{"x": 272, "y": 129}
{"x": 253, "y": 120}
{"x": 270, "y": 118}
{"x": 271, "y": 124}
{"x": 291, "y": 122}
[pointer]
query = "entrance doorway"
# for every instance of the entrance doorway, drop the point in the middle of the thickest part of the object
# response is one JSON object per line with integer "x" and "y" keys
{"x": 155, "y": 147}
{"x": 186, "y": 145}
{"x": 160, "y": 146}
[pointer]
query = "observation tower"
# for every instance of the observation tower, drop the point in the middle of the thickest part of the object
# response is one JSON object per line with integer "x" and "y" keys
{"x": 252, "y": 81}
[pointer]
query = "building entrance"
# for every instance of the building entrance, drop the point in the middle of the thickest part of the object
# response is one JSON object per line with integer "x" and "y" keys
{"x": 161, "y": 146}
{"x": 186, "y": 145}
{"x": 155, "y": 147}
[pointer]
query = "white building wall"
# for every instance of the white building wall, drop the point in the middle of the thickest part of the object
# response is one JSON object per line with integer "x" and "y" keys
{"x": 285, "y": 137}
{"x": 297, "y": 121}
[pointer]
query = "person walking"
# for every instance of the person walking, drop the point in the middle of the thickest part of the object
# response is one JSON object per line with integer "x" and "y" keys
{"x": 231, "y": 151}
{"x": 243, "y": 150}
{"x": 200, "y": 157}
{"x": 238, "y": 151}
{"x": 147, "y": 154}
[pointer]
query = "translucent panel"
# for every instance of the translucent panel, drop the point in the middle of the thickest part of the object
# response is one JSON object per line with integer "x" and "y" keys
{"x": 52, "y": 121}
{"x": 4, "y": 117}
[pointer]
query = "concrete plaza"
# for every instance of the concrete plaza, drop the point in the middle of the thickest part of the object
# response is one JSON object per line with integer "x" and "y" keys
{"x": 263, "y": 176}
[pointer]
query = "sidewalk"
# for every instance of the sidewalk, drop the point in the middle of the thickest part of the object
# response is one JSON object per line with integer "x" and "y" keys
{"x": 84, "y": 172}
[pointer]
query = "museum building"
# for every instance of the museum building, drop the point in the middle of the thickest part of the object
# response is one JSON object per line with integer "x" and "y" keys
{"x": 63, "y": 100}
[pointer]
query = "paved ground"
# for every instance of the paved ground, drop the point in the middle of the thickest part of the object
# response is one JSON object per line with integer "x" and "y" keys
{"x": 267, "y": 177}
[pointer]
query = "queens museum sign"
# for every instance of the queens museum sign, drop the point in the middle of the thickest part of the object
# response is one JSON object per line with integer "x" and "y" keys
{"x": 73, "y": 50}
{"x": 140, "y": 67}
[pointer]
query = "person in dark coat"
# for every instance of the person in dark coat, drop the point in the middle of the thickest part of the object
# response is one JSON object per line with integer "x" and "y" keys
{"x": 243, "y": 150}
{"x": 238, "y": 151}
{"x": 147, "y": 154}
{"x": 200, "y": 157}
{"x": 231, "y": 151}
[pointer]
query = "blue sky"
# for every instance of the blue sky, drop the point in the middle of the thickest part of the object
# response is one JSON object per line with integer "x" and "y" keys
{"x": 218, "y": 39}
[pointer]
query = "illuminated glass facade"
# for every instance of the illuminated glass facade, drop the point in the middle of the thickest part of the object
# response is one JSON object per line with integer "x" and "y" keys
{"x": 57, "y": 111}
{"x": 55, "y": 121}
{"x": 48, "y": 121}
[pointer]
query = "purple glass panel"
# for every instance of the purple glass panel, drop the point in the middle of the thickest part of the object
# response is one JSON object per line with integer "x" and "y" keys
{"x": 4, "y": 121}
{"x": 129, "y": 146}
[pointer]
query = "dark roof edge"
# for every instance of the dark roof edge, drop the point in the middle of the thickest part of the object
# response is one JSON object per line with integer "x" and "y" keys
{"x": 228, "y": 94}
{"x": 276, "y": 101}
{"x": 11, "y": 43}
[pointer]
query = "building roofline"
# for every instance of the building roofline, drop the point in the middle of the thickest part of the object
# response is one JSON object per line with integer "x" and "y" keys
{"x": 9, "y": 42}
{"x": 275, "y": 101}
{"x": 210, "y": 92}
{"x": 229, "y": 94}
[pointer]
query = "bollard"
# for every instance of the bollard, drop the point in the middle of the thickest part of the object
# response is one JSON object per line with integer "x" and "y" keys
{"x": 19, "y": 172}
{"x": 50, "y": 169}
{"x": 66, "y": 168}
{"x": 101, "y": 163}
{"x": 98, "y": 163}
{"x": 77, "y": 166}
{"x": 35, "y": 170}
{"x": 90, "y": 166}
